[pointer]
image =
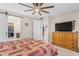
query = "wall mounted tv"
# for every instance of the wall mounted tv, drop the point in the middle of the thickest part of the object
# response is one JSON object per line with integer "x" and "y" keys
{"x": 66, "y": 26}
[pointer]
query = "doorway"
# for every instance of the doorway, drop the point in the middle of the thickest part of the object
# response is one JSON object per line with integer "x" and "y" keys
{"x": 14, "y": 28}
{"x": 37, "y": 30}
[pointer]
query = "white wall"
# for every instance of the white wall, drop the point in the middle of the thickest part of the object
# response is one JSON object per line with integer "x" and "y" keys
{"x": 26, "y": 31}
{"x": 3, "y": 27}
{"x": 70, "y": 16}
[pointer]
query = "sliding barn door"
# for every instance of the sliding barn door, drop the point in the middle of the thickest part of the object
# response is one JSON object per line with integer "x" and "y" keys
{"x": 3, "y": 27}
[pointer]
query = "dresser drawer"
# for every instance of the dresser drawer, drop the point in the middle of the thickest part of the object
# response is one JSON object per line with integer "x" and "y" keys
{"x": 67, "y": 40}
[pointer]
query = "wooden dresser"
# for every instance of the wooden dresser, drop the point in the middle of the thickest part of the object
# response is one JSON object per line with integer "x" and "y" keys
{"x": 67, "y": 40}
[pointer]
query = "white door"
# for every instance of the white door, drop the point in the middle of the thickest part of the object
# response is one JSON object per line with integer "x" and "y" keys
{"x": 3, "y": 27}
{"x": 37, "y": 30}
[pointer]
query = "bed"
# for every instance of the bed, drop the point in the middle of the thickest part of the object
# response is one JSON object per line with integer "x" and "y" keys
{"x": 27, "y": 47}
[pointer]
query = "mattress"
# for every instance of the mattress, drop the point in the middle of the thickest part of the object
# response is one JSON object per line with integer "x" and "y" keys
{"x": 27, "y": 47}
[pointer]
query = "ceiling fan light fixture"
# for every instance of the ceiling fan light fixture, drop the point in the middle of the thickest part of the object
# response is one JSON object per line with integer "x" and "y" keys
{"x": 37, "y": 10}
{"x": 37, "y": 7}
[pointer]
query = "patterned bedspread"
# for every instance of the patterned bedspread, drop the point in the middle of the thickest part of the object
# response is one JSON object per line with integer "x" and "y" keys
{"x": 27, "y": 47}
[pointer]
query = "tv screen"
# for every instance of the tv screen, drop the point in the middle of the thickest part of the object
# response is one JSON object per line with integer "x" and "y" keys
{"x": 66, "y": 26}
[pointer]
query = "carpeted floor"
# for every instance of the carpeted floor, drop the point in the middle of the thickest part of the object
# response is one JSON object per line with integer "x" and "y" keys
{"x": 66, "y": 52}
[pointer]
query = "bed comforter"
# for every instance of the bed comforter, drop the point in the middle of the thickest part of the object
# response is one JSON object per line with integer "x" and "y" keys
{"x": 27, "y": 47}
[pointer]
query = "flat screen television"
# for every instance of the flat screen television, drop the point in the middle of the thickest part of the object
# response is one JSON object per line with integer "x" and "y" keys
{"x": 66, "y": 26}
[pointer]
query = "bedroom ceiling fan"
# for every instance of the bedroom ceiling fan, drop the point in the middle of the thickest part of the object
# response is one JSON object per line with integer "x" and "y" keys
{"x": 37, "y": 7}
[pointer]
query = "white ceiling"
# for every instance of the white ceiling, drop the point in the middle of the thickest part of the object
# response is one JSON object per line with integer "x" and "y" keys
{"x": 59, "y": 8}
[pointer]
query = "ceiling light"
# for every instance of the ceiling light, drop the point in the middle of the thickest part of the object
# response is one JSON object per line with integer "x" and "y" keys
{"x": 36, "y": 10}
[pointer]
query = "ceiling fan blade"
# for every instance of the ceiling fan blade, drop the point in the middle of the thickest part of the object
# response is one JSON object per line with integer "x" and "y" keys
{"x": 37, "y": 4}
{"x": 25, "y": 5}
{"x": 28, "y": 10}
{"x": 33, "y": 13}
{"x": 34, "y": 4}
{"x": 45, "y": 11}
{"x": 47, "y": 7}
{"x": 40, "y": 4}
{"x": 39, "y": 13}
